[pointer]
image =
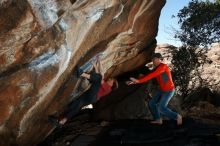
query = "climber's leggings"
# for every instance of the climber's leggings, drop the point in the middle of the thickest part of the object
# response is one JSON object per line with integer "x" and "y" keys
{"x": 86, "y": 98}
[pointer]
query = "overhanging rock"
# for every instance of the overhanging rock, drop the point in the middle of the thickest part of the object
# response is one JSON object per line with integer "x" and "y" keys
{"x": 41, "y": 42}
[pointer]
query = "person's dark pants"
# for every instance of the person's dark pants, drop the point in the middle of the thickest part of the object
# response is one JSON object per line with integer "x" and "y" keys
{"x": 89, "y": 97}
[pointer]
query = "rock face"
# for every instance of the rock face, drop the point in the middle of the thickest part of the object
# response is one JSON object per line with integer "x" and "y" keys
{"x": 129, "y": 104}
{"x": 41, "y": 42}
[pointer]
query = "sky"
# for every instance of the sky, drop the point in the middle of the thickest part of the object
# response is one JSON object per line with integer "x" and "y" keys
{"x": 166, "y": 22}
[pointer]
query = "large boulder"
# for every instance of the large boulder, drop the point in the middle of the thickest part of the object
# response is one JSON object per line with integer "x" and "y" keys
{"x": 41, "y": 42}
{"x": 127, "y": 102}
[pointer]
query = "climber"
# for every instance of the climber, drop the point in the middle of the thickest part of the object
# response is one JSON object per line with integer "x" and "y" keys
{"x": 99, "y": 88}
{"x": 158, "y": 104}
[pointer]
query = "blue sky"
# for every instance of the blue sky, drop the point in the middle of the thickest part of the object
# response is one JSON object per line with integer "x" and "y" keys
{"x": 165, "y": 33}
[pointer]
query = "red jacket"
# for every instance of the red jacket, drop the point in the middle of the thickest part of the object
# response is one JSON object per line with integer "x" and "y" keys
{"x": 104, "y": 90}
{"x": 163, "y": 75}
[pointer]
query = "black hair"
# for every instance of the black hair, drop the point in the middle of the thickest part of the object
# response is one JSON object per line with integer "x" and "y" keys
{"x": 157, "y": 55}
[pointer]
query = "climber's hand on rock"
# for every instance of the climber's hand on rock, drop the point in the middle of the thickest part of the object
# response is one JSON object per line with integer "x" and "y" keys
{"x": 134, "y": 80}
{"x": 129, "y": 83}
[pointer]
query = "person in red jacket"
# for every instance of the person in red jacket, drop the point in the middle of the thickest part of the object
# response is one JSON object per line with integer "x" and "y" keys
{"x": 98, "y": 89}
{"x": 158, "y": 104}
